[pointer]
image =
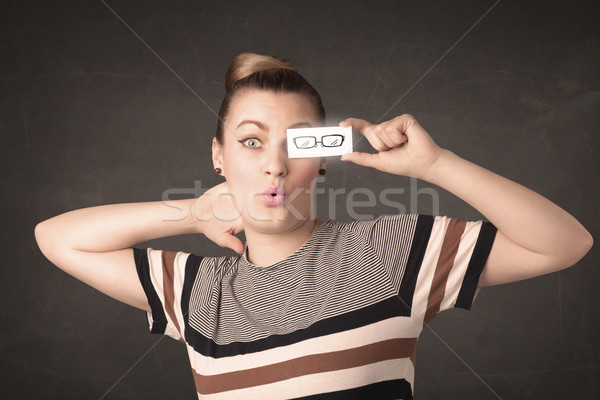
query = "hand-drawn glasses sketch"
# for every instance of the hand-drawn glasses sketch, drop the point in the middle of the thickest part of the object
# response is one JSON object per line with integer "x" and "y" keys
{"x": 319, "y": 141}
{"x": 308, "y": 142}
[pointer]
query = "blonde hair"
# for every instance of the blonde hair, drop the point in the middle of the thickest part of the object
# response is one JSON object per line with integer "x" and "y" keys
{"x": 246, "y": 64}
{"x": 270, "y": 73}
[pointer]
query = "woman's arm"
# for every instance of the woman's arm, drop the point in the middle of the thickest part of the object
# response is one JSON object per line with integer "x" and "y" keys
{"x": 94, "y": 244}
{"x": 534, "y": 237}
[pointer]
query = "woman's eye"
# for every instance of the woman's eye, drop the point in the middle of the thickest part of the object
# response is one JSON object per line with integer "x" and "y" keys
{"x": 251, "y": 143}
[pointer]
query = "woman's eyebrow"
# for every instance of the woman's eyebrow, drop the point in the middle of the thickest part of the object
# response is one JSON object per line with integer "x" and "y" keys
{"x": 259, "y": 124}
{"x": 262, "y": 126}
{"x": 301, "y": 125}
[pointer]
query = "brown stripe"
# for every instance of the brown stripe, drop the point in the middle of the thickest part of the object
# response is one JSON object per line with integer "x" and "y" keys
{"x": 312, "y": 364}
{"x": 455, "y": 229}
{"x": 168, "y": 263}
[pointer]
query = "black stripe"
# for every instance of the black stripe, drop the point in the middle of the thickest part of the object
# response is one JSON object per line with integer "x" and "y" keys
{"x": 398, "y": 389}
{"x": 143, "y": 269}
{"x": 389, "y": 308}
{"x": 478, "y": 258}
{"x": 191, "y": 271}
{"x": 415, "y": 259}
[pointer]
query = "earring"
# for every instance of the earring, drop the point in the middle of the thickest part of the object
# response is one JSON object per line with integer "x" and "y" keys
{"x": 322, "y": 171}
{"x": 218, "y": 171}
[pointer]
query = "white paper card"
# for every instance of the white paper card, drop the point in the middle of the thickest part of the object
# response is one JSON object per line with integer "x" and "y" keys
{"x": 319, "y": 142}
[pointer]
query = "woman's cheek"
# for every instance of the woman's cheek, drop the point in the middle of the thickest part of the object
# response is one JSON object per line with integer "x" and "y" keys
{"x": 307, "y": 174}
{"x": 239, "y": 170}
{"x": 237, "y": 183}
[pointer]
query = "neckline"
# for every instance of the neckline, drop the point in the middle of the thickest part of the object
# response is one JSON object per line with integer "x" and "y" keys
{"x": 295, "y": 254}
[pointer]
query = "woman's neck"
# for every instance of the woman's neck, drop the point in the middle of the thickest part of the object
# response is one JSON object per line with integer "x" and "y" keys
{"x": 266, "y": 249}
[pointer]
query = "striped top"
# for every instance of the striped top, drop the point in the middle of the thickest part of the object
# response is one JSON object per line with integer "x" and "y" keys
{"x": 337, "y": 319}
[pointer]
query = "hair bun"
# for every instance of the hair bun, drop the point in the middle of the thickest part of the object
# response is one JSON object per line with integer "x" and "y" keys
{"x": 245, "y": 64}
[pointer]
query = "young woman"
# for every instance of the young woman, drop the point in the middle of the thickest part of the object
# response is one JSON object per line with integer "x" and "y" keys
{"x": 309, "y": 308}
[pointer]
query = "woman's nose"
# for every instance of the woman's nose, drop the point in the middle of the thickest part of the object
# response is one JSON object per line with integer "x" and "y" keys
{"x": 276, "y": 161}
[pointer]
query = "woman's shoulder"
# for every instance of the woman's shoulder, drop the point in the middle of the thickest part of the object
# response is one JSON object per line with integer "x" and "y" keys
{"x": 184, "y": 260}
{"x": 357, "y": 225}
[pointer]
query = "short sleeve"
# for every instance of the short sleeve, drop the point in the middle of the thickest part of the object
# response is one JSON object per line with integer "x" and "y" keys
{"x": 434, "y": 261}
{"x": 166, "y": 277}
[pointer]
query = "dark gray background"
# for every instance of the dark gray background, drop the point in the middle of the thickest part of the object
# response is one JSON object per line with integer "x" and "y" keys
{"x": 90, "y": 116}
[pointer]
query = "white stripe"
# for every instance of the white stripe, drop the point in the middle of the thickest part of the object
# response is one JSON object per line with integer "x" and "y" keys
{"x": 391, "y": 328}
{"x": 428, "y": 267}
{"x": 178, "y": 280}
{"x": 156, "y": 275}
{"x": 461, "y": 262}
{"x": 323, "y": 382}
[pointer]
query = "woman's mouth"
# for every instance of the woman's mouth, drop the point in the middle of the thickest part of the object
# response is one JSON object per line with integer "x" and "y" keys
{"x": 274, "y": 196}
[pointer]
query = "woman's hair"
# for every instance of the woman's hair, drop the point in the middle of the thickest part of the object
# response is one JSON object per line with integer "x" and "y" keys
{"x": 255, "y": 71}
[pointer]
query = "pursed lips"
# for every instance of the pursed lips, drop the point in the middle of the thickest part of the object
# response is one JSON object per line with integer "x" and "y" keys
{"x": 274, "y": 196}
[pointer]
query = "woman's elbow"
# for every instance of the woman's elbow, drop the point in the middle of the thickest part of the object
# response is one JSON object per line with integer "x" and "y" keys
{"x": 579, "y": 246}
{"x": 588, "y": 241}
{"x": 40, "y": 235}
{"x": 45, "y": 237}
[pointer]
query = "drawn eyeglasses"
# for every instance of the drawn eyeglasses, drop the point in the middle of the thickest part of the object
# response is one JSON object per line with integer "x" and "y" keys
{"x": 309, "y": 142}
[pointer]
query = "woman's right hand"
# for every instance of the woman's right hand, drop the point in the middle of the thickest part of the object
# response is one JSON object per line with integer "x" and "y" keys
{"x": 220, "y": 220}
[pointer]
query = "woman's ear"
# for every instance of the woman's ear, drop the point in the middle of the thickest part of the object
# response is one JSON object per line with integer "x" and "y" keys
{"x": 217, "y": 154}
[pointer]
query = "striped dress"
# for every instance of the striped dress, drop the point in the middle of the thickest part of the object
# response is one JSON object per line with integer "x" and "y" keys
{"x": 337, "y": 319}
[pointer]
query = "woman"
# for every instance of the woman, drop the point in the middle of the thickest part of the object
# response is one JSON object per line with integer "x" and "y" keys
{"x": 309, "y": 307}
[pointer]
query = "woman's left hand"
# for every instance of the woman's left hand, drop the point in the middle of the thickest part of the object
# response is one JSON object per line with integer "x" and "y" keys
{"x": 404, "y": 147}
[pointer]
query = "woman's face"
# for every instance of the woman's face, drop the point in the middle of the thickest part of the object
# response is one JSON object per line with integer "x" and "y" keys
{"x": 272, "y": 192}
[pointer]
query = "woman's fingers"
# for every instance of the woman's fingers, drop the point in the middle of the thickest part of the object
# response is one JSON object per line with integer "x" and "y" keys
{"x": 220, "y": 218}
{"x": 379, "y": 142}
{"x": 382, "y": 137}
{"x": 369, "y": 131}
{"x": 404, "y": 147}
{"x": 226, "y": 239}
{"x": 386, "y": 134}
{"x": 356, "y": 123}
{"x": 233, "y": 243}
{"x": 364, "y": 159}
{"x": 395, "y": 135}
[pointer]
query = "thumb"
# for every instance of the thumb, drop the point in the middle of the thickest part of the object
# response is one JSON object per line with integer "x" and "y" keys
{"x": 356, "y": 123}
{"x": 364, "y": 159}
{"x": 233, "y": 243}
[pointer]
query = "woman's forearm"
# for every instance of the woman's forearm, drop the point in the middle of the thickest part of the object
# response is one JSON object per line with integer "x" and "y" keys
{"x": 117, "y": 226}
{"x": 521, "y": 214}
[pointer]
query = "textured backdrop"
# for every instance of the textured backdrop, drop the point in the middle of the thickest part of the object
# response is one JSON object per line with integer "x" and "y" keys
{"x": 108, "y": 102}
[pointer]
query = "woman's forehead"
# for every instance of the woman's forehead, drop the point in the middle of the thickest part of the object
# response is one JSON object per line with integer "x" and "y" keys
{"x": 278, "y": 107}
